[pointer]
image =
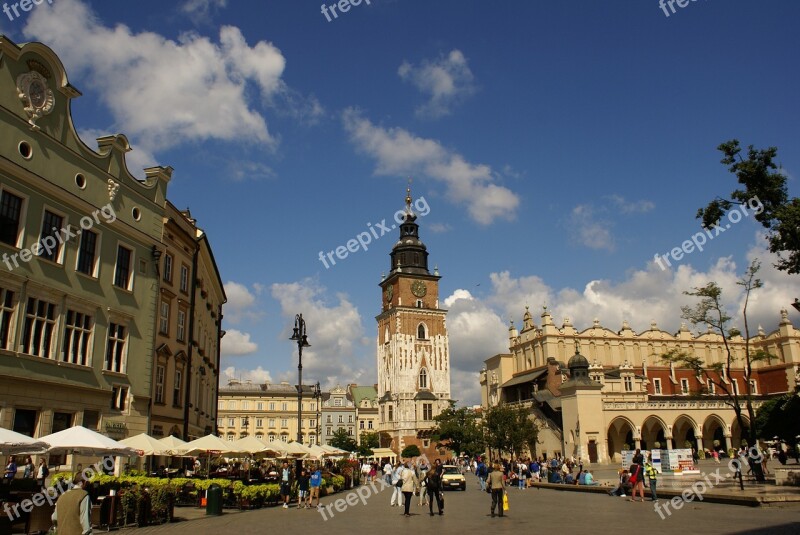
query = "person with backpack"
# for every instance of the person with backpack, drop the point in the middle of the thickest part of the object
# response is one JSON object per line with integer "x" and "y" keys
{"x": 482, "y": 472}
{"x": 433, "y": 487}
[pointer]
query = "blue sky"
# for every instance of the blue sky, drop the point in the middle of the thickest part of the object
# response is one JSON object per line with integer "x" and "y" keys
{"x": 558, "y": 145}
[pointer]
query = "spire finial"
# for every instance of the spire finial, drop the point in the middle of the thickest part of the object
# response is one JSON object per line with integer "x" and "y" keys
{"x": 408, "y": 195}
{"x": 577, "y": 347}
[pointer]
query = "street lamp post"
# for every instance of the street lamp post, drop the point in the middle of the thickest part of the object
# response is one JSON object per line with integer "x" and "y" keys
{"x": 318, "y": 397}
{"x": 299, "y": 336}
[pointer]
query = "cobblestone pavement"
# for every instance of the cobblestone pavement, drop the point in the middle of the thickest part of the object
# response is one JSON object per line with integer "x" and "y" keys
{"x": 468, "y": 512}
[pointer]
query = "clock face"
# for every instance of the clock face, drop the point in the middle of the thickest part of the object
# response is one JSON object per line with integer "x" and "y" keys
{"x": 36, "y": 92}
{"x": 418, "y": 288}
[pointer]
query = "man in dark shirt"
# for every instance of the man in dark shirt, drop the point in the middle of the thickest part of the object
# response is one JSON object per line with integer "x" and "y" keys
{"x": 302, "y": 489}
{"x": 433, "y": 486}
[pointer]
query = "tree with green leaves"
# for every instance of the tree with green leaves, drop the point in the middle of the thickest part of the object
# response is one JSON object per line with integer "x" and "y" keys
{"x": 369, "y": 441}
{"x": 780, "y": 417}
{"x": 710, "y": 311}
{"x": 765, "y": 182}
{"x": 458, "y": 430}
{"x": 343, "y": 441}
{"x": 509, "y": 429}
{"x": 410, "y": 451}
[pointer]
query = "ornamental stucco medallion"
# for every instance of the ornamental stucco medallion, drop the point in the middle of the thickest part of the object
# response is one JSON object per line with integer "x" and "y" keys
{"x": 38, "y": 100}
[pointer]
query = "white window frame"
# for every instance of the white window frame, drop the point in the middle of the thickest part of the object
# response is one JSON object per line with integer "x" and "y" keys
{"x": 169, "y": 262}
{"x": 86, "y": 345}
{"x": 712, "y": 388}
{"x": 163, "y": 317}
{"x": 423, "y": 378}
{"x": 123, "y": 365}
{"x": 59, "y": 236}
{"x": 181, "y": 332}
{"x": 184, "y": 278}
{"x": 161, "y": 378}
{"x": 35, "y": 318}
{"x": 177, "y": 387}
{"x": 120, "y": 399}
{"x": 9, "y": 312}
{"x": 657, "y": 386}
{"x": 627, "y": 382}
{"x": 753, "y": 386}
{"x": 97, "y": 248}
{"x": 684, "y": 386}
{"x": 23, "y": 214}
{"x": 131, "y": 266}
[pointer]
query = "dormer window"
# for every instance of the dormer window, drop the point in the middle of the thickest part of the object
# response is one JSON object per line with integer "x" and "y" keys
{"x": 419, "y": 303}
{"x": 423, "y": 378}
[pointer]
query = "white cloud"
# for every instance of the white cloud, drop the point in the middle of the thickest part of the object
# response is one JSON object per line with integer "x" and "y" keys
{"x": 631, "y": 207}
{"x": 476, "y": 333}
{"x": 200, "y": 11}
{"x": 447, "y": 80}
{"x": 162, "y": 91}
{"x": 398, "y": 152}
{"x": 241, "y": 302}
{"x": 589, "y": 230}
{"x": 237, "y": 343}
{"x": 649, "y": 294}
{"x": 439, "y": 228}
{"x": 334, "y": 330}
{"x": 257, "y": 376}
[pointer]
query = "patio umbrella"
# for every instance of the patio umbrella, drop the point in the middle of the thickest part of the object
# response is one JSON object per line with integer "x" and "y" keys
{"x": 256, "y": 447}
{"x": 297, "y": 450}
{"x": 172, "y": 443}
{"x": 147, "y": 445}
{"x": 12, "y": 443}
{"x": 208, "y": 443}
{"x": 79, "y": 440}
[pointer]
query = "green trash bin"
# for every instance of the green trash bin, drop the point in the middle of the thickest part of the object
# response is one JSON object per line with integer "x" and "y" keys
{"x": 214, "y": 500}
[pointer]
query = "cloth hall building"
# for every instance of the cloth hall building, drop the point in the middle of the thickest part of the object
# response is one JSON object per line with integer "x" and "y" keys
{"x": 616, "y": 392}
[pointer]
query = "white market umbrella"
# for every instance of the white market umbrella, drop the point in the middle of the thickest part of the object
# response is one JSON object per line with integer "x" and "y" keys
{"x": 296, "y": 450}
{"x": 255, "y": 447}
{"x": 319, "y": 452}
{"x": 172, "y": 443}
{"x": 79, "y": 440}
{"x": 147, "y": 445}
{"x": 206, "y": 444}
{"x": 13, "y": 443}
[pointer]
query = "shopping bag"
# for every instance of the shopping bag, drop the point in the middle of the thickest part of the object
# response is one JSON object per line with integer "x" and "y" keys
{"x": 505, "y": 502}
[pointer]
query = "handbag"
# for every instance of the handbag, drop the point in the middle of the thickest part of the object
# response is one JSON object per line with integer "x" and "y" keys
{"x": 505, "y": 502}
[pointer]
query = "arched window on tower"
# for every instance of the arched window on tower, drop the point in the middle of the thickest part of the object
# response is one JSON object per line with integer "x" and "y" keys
{"x": 421, "y": 334}
{"x": 423, "y": 378}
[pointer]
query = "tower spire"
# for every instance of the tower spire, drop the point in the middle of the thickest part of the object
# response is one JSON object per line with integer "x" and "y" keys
{"x": 408, "y": 197}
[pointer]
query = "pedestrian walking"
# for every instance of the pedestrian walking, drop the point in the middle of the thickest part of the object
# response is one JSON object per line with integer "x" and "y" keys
{"x": 286, "y": 484}
{"x": 482, "y": 472}
{"x": 433, "y": 487}
{"x": 410, "y": 485}
{"x": 397, "y": 482}
{"x": 497, "y": 486}
{"x": 315, "y": 483}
